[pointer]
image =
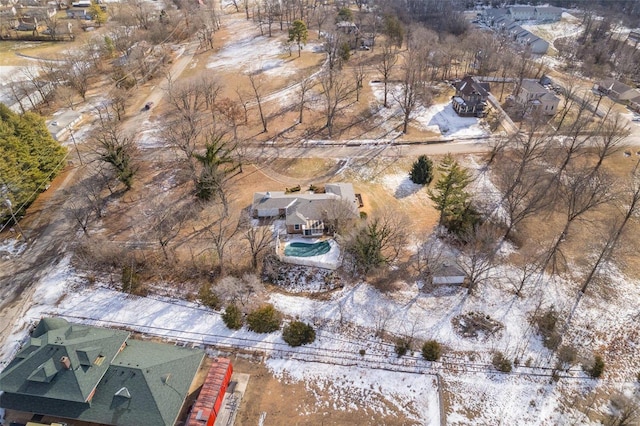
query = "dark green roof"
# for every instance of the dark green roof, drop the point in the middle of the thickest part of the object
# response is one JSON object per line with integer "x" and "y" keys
{"x": 145, "y": 384}
{"x": 39, "y": 368}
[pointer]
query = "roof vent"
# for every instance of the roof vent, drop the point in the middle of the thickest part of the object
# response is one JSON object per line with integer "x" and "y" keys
{"x": 267, "y": 194}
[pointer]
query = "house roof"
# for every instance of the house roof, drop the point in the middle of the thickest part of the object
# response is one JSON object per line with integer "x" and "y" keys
{"x": 301, "y": 207}
{"x": 549, "y": 10}
{"x": 549, "y": 97}
{"x": 470, "y": 86}
{"x": 146, "y": 383}
{"x": 521, "y": 9}
{"x": 533, "y": 87}
{"x": 38, "y": 370}
{"x": 615, "y": 86}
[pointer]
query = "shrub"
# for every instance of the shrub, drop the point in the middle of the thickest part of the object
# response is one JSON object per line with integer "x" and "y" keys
{"x": 566, "y": 355}
{"x": 363, "y": 215}
{"x": 431, "y": 350}
{"x": 208, "y": 297}
{"x": 402, "y": 346}
{"x": 422, "y": 171}
{"x": 501, "y": 363}
{"x": 363, "y": 352}
{"x": 298, "y": 333}
{"x": 597, "y": 368}
{"x": 547, "y": 324}
{"x": 265, "y": 319}
{"x": 232, "y": 317}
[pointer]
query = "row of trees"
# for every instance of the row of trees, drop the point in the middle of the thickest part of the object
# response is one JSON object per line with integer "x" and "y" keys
{"x": 29, "y": 158}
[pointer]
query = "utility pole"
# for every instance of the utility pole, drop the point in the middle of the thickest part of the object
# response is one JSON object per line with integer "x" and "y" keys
{"x": 76, "y": 146}
{"x": 7, "y": 202}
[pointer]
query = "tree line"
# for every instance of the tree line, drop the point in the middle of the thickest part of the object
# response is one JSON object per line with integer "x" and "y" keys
{"x": 29, "y": 159}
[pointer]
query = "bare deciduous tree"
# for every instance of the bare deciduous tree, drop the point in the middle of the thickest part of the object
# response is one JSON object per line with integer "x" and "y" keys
{"x": 259, "y": 237}
{"x": 478, "y": 254}
{"x": 256, "y": 85}
{"x": 388, "y": 60}
{"x": 336, "y": 92}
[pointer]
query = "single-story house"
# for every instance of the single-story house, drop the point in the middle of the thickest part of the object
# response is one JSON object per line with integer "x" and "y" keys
{"x": 617, "y": 90}
{"x": 470, "y": 99}
{"x": 308, "y": 213}
{"x": 534, "y": 97}
{"x": 98, "y": 375}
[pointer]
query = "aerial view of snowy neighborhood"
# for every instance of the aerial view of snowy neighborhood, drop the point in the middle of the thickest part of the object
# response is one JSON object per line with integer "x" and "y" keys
{"x": 319, "y": 212}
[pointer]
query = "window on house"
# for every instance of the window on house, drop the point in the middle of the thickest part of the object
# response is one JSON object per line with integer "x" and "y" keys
{"x": 296, "y": 227}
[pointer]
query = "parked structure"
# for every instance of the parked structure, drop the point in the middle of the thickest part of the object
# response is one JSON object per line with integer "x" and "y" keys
{"x": 310, "y": 214}
{"x": 209, "y": 402}
{"x": 98, "y": 375}
{"x": 536, "y": 98}
{"x": 470, "y": 99}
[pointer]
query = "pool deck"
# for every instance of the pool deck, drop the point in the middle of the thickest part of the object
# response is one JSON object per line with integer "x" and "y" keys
{"x": 330, "y": 260}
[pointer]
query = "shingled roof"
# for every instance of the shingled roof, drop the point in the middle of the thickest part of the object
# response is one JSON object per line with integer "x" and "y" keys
{"x": 145, "y": 383}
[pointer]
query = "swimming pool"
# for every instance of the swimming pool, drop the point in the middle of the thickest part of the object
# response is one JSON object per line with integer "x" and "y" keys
{"x": 307, "y": 249}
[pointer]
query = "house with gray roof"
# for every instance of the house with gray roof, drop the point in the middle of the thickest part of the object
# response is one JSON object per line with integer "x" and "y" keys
{"x": 534, "y": 97}
{"x": 307, "y": 213}
{"x": 98, "y": 375}
{"x": 617, "y": 90}
{"x": 522, "y": 13}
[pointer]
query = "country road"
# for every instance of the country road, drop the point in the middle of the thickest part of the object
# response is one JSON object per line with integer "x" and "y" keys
{"x": 54, "y": 230}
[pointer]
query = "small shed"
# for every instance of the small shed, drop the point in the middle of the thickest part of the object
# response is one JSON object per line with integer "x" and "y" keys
{"x": 448, "y": 274}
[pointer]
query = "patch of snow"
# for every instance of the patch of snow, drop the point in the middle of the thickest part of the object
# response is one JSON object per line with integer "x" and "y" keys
{"x": 349, "y": 388}
{"x": 439, "y": 118}
{"x": 401, "y": 185}
{"x": 11, "y": 247}
{"x": 443, "y": 118}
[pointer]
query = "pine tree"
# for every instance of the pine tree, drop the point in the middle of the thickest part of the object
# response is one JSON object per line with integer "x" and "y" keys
{"x": 217, "y": 165}
{"x": 29, "y": 157}
{"x": 422, "y": 171}
{"x": 451, "y": 199}
{"x": 298, "y": 33}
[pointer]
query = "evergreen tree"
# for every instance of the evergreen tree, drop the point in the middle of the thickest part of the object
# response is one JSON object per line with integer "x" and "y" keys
{"x": 217, "y": 165}
{"x": 451, "y": 199}
{"x": 97, "y": 13}
{"x": 298, "y": 33}
{"x": 422, "y": 171}
{"x": 232, "y": 317}
{"x": 298, "y": 333}
{"x": 264, "y": 320}
{"x": 29, "y": 157}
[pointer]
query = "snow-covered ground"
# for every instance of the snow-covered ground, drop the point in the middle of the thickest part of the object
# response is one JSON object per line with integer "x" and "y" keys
{"x": 568, "y": 26}
{"x": 349, "y": 320}
{"x": 251, "y": 53}
{"x": 439, "y": 118}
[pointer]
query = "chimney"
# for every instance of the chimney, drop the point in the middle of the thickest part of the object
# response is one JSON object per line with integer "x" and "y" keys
{"x": 267, "y": 194}
{"x": 66, "y": 362}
